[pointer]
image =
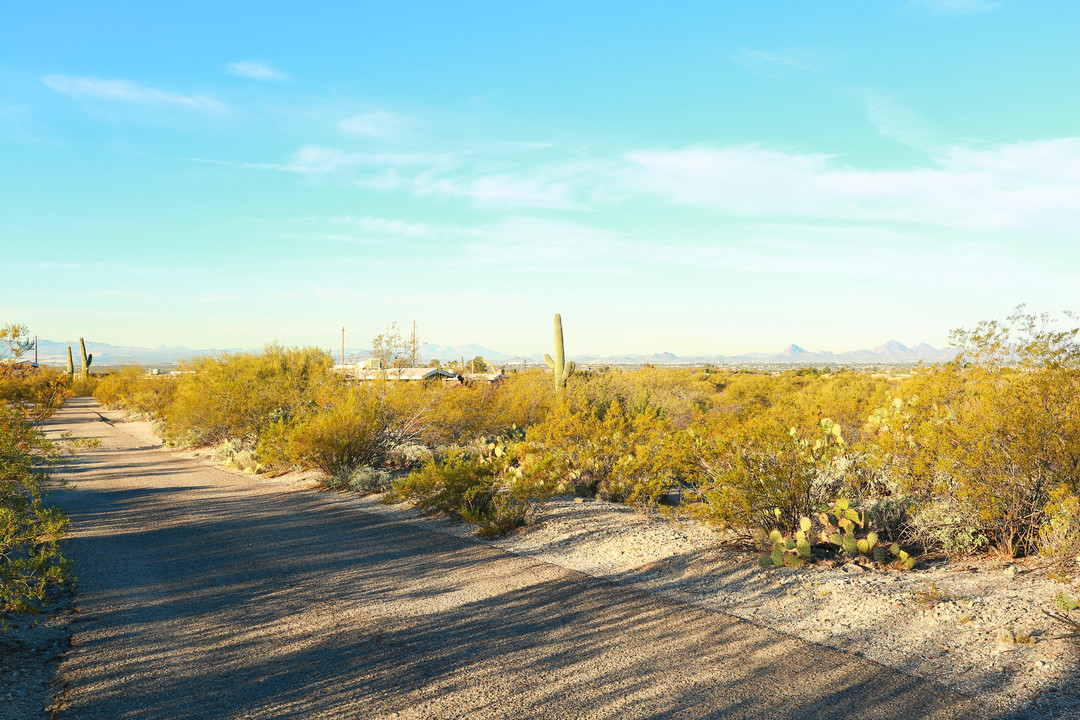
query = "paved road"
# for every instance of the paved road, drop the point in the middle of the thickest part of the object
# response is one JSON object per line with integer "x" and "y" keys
{"x": 203, "y": 594}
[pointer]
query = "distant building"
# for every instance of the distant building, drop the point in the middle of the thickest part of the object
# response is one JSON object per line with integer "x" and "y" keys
{"x": 479, "y": 378}
{"x": 366, "y": 374}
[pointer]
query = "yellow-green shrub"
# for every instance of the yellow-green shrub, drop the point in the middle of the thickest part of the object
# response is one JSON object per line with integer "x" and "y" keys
{"x": 353, "y": 428}
{"x": 132, "y": 389}
{"x": 984, "y": 441}
{"x": 766, "y": 468}
{"x": 240, "y": 395}
{"x": 606, "y": 452}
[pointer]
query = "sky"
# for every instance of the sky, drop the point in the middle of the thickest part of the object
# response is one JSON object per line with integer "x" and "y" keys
{"x": 695, "y": 177}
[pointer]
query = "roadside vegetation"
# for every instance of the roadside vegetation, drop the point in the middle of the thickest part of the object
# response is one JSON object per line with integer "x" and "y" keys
{"x": 30, "y": 530}
{"x": 978, "y": 455}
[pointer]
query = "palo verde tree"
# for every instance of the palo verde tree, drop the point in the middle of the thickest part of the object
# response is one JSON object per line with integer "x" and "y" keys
{"x": 15, "y": 341}
{"x": 990, "y": 439}
{"x": 30, "y": 531}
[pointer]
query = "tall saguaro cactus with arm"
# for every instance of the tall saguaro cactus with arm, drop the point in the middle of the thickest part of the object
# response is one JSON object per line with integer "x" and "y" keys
{"x": 563, "y": 369}
{"x": 86, "y": 359}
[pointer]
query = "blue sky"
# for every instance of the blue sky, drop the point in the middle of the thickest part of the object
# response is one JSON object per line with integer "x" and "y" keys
{"x": 694, "y": 177}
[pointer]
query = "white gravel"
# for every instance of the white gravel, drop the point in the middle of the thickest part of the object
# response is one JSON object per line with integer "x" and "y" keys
{"x": 957, "y": 624}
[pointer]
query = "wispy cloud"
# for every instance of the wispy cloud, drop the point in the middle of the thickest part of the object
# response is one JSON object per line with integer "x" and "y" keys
{"x": 1029, "y": 185}
{"x": 552, "y": 186}
{"x": 256, "y": 70}
{"x": 525, "y": 244}
{"x": 955, "y": 7}
{"x": 127, "y": 91}
{"x": 773, "y": 61}
{"x": 321, "y": 160}
{"x": 377, "y": 124}
{"x": 896, "y": 121}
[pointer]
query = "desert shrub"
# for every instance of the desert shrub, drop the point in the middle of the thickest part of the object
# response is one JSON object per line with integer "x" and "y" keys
{"x": 459, "y": 415}
{"x": 984, "y": 441}
{"x": 38, "y": 393}
{"x": 84, "y": 385}
{"x": 115, "y": 390}
{"x": 30, "y": 532}
{"x": 132, "y": 389}
{"x": 1059, "y": 535}
{"x": 766, "y": 468}
{"x": 945, "y": 523}
{"x": 607, "y": 453}
{"x": 442, "y": 484}
{"x": 408, "y": 456}
{"x": 240, "y": 395}
{"x": 236, "y": 455}
{"x": 367, "y": 480}
{"x": 495, "y": 490}
{"x": 349, "y": 428}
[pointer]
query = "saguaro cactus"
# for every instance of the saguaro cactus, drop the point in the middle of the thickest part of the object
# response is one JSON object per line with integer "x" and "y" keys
{"x": 86, "y": 359}
{"x": 563, "y": 369}
{"x": 71, "y": 365}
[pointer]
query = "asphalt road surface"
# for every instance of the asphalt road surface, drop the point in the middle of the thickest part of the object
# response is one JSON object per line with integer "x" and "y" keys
{"x": 204, "y": 594}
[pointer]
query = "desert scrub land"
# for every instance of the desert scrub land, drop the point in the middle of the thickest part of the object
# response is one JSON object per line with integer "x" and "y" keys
{"x": 845, "y": 505}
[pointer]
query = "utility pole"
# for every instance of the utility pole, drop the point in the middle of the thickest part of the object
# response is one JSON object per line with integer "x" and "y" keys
{"x": 342, "y": 344}
{"x": 414, "y": 343}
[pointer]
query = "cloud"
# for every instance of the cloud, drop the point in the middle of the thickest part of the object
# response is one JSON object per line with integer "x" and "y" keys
{"x": 1028, "y": 185}
{"x": 126, "y": 91}
{"x": 773, "y": 61}
{"x": 321, "y": 160}
{"x": 256, "y": 70}
{"x": 525, "y": 244}
{"x": 552, "y": 187}
{"x": 898, "y": 122}
{"x": 366, "y": 229}
{"x": 955, "y": 7}
{"x": 1021, "y": 186}
{"x": 378, "y": 124}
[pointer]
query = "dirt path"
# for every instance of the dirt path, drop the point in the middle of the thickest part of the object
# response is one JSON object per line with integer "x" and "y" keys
{"x": 205, "y": 594}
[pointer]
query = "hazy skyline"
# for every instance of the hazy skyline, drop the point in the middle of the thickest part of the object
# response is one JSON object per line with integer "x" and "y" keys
{"x": 695, "y": 178}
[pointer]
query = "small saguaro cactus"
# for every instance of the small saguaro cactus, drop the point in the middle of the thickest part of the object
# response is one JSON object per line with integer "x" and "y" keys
{"x": 563, "y": 369}
{"x": 86, "y": 359}
{"x": 71, "y": 364}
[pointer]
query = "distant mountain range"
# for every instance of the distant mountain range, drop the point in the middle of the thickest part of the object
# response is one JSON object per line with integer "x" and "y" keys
{"x": 891, "y": 353}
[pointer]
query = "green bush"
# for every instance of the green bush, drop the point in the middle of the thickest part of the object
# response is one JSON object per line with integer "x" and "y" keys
{"x": 355, "y": 429}
{"x": 607, "y": 453}
{"x": 1059, "y": 535}
{"x": 768, "y": 469}
{"x": 494, "y": 491}
{"x": 132, "y": 389}
{"x": 30, "y": 532}
{"x": 238, "y": 396}
{"x": 984, "y": 442}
